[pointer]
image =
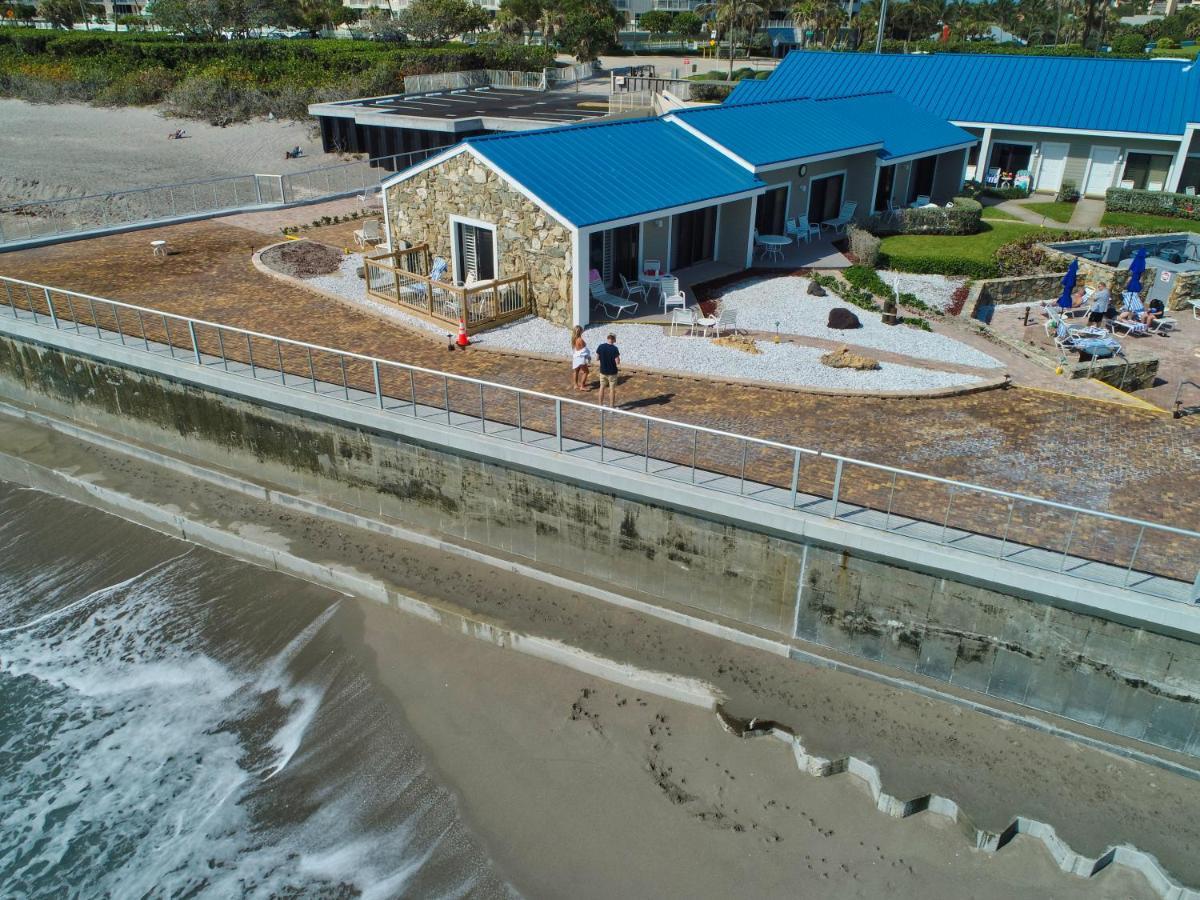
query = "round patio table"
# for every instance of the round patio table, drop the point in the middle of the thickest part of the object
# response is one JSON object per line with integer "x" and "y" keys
{"x": 652, "y": 282}
{"x": 773, "y": 245}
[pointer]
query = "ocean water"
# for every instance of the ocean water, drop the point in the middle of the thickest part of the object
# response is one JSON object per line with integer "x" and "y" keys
{"x": 175, "y": 724}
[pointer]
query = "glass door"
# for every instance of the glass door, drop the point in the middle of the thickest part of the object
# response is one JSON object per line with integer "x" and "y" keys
{"x": 825, "y": 198}
{"x": 692, "y": 237}
{"x": 771, "y": 211}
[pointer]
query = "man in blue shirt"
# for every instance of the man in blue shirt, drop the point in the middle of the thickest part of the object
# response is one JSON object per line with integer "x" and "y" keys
{"x": 610, "y": 360}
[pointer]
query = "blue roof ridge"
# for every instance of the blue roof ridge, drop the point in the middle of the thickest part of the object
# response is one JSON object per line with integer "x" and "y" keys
{"x": 777, "y": 100}
{"x": 879, "y": 93}
{"x": 955, "y": 55}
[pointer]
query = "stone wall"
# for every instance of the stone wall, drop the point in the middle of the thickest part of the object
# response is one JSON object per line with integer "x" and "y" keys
{"x": 528, "y": 239}
{"x": 1007, "y": 291}
{"x": 1124, "y": 374}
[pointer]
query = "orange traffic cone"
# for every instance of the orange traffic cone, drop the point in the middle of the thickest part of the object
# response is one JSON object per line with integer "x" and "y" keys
{"x": 463, "y": 340}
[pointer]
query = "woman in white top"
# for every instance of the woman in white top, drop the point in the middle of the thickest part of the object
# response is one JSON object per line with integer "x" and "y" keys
{"x": 581, "y": 359}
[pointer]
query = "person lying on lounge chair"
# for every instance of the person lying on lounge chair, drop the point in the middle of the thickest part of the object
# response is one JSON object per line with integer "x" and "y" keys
{"x": 1133, "y": 310}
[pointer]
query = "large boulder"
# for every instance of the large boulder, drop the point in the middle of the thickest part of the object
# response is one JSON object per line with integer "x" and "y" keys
{"x": 815, "y": 290}
{"x": 844, "y": 359}
{"x": 840, "y": 317}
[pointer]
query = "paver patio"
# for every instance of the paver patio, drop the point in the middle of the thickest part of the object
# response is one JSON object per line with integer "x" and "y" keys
{"x": 1097, "y": 455}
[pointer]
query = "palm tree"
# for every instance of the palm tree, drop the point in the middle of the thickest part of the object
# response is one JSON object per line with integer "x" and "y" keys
{"x": 804, "y": 13}
{"x": 731, "y": 14}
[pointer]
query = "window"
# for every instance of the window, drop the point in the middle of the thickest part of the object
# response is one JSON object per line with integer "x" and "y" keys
{"x": 1147, "y": 171}
{"x": 614, "y": 252}
{"x": 1191, "y": 175}
{"x": 825, "y": 197}
{"x": 474, "y": 252}
{"x": 920, "y": 182}
{"x": 692, "y": 237}
{"x": 883, "y": 190}
{"x": 771, "y": 211}
{"x": 1010, "y": 157}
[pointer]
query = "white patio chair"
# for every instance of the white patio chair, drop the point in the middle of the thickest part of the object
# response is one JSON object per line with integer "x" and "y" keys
{"x": 844, "y": 217}
{"x": 637, "y": 289}
{"x": 762, "y": 248}
{"x": 370, "y": 233}
{"x": 612, "y": 304}
{"x": 724, "y": 320}
{"x": 682, "y": 316}
{"x": 674, "y": 298}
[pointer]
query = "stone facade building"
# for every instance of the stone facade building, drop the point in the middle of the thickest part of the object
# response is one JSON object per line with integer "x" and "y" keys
{"x": 423, "y": 208}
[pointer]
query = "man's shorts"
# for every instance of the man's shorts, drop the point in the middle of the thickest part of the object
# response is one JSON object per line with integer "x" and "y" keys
{"x": 609, "y": 381}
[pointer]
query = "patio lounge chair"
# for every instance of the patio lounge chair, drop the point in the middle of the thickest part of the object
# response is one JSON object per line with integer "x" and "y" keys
{"x": 370, "y": 233}
{"x": 845, "y": 217}
{"x": 922, "y": 200}
{"x": 612, "y": 304}
{"x": 800, "y": 228}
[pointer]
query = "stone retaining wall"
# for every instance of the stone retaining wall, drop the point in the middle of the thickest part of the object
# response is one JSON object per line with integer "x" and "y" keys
{"x": 528, "y": 239}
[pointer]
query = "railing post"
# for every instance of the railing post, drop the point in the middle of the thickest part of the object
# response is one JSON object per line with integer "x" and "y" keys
{"x": 795, "y": 479}
{"x": 1007, "y": 525}
{"x": 1133, "y": 556}
{"x": 250, "y": 355}
{"x": 837, "y": 488}
{"x": 558, "y": 423}
{"x": 378, "y": 387}
{"x": 412, "y": 390}
{"x": 742, "y": 482}
{"x": 887, "y": 519}
{"x": 946, "y": 519}
{"x": 141, "y": 325}
{"x": 482, "y": 419}
{"x": 221, "y": 347}
{"x": 279, "y": 359}
{"x": 446, "y": 397}
{"x": 345, "y": 383}
{"x": 520, "y": 421}
{"x": 195, "y": 343}
{"x": 50, "y": 306}
{"x": 601, "y": 434}
{"x": 646, "y": 467}
{"x": 1062, "y": 566}
{"x": 167, "y": 332}
{"x": 312, "y": 372}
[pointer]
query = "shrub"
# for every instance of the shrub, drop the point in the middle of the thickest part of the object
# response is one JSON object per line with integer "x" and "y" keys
{"x": 865, "y": 278}
{"x": 1166, "y": 43}
{"x": 1068, "y": 193}
{"x": 864, "y": 246}
{"x": 1131, "y": 43}
{"x": 712, "y": 93}
{"x": 935, "y": 264}
{"x": 959, "y": 298}
{"x": 138, "y": 88}
{"x": 1024, "y": 257}
{"x": 1157, "y": 203}
{"x": 848, "y": 292}
{"x": 962, "y": 216}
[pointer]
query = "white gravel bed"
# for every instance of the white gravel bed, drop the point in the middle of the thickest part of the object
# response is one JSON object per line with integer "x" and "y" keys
{"x": 650, "y": 347}
{"x": 934, "y": 290}
{"x": 760, "y": 303}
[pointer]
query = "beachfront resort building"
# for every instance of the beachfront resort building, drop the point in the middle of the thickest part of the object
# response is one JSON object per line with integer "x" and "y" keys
{"x": 1096, "y": 123}
{"x": 698, "y": 193}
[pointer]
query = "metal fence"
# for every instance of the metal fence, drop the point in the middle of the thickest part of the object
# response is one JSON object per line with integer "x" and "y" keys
{"x": 33, "y": 219}
{"x": 1104, "y": 548}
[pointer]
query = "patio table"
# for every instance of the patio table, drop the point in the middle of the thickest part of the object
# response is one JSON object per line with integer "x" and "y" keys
{"x": 773, "y": 245}
{"x": 652, "y": 282}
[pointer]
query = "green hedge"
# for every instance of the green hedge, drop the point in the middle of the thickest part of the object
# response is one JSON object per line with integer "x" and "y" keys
{"x": 1155, "y": 203}
{"x": 709, "y": 92}
{"x": 962, "y": 216}
{"x": 937, "y": 264}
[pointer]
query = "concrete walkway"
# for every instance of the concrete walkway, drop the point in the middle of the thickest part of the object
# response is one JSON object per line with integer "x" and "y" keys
{"x": 1087, "y": 214}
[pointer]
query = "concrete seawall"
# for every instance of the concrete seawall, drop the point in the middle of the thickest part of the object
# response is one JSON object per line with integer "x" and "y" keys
{"x": 1104, "y": 656}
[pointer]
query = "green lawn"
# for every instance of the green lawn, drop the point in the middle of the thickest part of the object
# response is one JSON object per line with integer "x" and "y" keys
{"x": 995, "y": 214}
{"x": 1149, "y": 222}
{"x": 969, "y": 254}
{"x": 1058, "y": 212}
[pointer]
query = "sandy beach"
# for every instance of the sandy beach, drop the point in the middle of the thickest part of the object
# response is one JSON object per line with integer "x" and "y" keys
{"x": 53, "y": 150}
{"x": 583, "y": 789}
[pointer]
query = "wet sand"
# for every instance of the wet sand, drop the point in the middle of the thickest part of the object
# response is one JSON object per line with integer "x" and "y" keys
{"x": 583, "y": 789}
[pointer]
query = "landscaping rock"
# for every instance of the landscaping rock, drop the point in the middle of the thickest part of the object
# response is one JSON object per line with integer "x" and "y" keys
{"x": 840, "y": 317}
{"x": 815, "y": 290}
{"x": 844, "y": 359}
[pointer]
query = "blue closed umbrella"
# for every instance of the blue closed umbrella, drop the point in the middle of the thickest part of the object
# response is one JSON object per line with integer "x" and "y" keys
{"x": 1068, "y": 284}
{"x": 1136, "y": 267}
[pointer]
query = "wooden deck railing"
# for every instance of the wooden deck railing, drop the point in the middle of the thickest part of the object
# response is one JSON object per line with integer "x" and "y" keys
{"x": 402, "y": 278}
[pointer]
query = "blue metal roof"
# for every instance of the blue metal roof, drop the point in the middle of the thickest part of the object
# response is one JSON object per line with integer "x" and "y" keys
{"x": 770, "y": 132}
{"x": 1088, "y": 94}
{"x": 597, "y": 173}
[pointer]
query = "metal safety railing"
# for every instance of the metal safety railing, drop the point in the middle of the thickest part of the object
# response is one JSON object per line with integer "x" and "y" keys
{"x": 35, "y": 219}
{"x": 1096, "y": 546}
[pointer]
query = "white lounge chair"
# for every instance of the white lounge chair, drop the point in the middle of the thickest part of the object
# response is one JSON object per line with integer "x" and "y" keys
{"x": 922, "y": 200}
{"x": 370, "y": 233}
{"x": 611, "y": 303}
{"x": 844, "y": 217}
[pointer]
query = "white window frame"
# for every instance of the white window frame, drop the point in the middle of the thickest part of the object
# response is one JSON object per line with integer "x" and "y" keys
{"x": 478, "y": 223}
{"x": 811, "y": 178}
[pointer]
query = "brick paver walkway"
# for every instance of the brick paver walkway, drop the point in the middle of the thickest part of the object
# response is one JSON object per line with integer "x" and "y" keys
{"x": 1098, "y": 455}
